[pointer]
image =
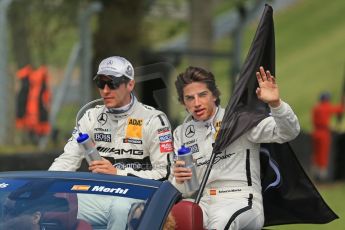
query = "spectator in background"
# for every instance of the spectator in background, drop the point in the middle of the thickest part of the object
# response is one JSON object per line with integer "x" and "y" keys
{"x": 321, "y": 135}
{"x": 33, "y": 102}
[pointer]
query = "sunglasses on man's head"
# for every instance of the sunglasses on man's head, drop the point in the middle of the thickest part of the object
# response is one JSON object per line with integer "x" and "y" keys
{"x": 110, "y": 83}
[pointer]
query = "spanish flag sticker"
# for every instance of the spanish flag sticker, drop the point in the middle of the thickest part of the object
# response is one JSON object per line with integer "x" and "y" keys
{"x": 134, "y": 128}
{"x": 213, "y": 192}
{"x": 81, "y": 187}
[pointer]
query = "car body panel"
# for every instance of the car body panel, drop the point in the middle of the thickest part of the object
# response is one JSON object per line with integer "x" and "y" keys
{"x": 158, "y": 197}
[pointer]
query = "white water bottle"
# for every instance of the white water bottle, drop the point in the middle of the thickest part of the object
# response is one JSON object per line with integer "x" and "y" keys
{"x": 185, "y": 154}
{"x": 91, "y": 153}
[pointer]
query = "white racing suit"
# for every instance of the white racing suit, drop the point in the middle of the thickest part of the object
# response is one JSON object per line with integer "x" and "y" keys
{"x": 232, "y": 197}
{"x": 137, "y": 142}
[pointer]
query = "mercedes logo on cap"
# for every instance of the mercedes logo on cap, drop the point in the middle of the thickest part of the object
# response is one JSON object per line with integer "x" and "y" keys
{"x": 102, "y": 118}
{"x": 129, "y": 70}
{"x": 190, "y": 131}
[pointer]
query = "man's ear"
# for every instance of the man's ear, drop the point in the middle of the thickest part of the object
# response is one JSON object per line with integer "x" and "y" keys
{"x": 130, "y": 85}
{"x": 36, "y": 217}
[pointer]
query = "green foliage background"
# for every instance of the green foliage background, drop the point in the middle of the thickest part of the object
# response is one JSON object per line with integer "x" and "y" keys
{"x": 310, "y": 56}
{"x": 310, "y": 53}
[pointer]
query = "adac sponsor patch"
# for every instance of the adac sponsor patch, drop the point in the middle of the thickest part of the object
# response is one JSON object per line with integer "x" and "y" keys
{"x": 81, "y": 187}
{"x": 132, "y": 141}
{"x": 165, "y": 138}
{"x": 134, "y": 128}
{"x": 163, "y": 130}
{"x": 166, "y": 147}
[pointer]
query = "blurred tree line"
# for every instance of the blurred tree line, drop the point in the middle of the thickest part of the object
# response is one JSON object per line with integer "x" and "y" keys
{"x": 38, "y": 26}
{"x": 43, "y": 32}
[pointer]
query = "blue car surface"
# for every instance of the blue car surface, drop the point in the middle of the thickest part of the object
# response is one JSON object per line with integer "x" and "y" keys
{"x": 81, "y": 200}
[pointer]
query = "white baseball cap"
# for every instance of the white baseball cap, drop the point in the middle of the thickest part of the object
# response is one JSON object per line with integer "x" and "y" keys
{"x": 116, "y": 66}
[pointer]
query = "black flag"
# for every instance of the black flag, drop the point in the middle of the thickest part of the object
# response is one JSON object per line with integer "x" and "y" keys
{"x": 288, "y": 194}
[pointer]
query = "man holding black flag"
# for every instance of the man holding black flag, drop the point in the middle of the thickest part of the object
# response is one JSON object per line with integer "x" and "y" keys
{"x": 277, "y": 189}
{"x": 232, "y": 197}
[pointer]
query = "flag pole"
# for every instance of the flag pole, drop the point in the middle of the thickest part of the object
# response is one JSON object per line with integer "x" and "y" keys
{"x": 205, "y": 177}
{"x": 217, "y": 150}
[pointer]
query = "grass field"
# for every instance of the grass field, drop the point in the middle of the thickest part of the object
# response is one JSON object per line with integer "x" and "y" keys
{"x": 310, "y": 53}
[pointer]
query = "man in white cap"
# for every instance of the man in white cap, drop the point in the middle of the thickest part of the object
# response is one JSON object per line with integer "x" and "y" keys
{"x": 133, "y": 139}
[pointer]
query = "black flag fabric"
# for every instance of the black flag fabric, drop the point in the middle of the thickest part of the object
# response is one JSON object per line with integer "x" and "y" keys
{"x": 244, "y": 109}
{"x": 289, "y": 196}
